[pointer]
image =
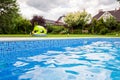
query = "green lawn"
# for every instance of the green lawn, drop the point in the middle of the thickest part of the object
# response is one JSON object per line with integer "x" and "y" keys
{"x": 58, "y": 35}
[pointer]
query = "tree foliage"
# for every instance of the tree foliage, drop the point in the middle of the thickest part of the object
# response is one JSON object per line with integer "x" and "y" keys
{"x": 77, "y": 20}
{"x": 8, "y": 15}
{"x": 111, "y": 23}
{"x": 23, "y": 26}
{"x": 118, "y": 0}
{"x": 38, "y": 20}
{"x": 103, "y": 26}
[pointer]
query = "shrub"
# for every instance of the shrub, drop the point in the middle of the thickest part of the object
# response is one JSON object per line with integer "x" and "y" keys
{"x": 118, "y": 27}
{"x": 77, "y": 31}
{"x": 49, "y": 28}
{"x": 65, "y": 31}
{"x": 104, "y": 31}
{"x": 23, "y": 26}
{"x": 55, "y": 29}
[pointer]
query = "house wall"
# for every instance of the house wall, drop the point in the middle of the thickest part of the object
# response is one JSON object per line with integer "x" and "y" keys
{"x": 105, "y": 16}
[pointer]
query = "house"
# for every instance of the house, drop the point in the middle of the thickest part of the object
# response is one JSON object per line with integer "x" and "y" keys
{"x": 41, "y": 21}
{"x": 106, "y": 14}
{"x": 52, "y": 22}
{"x": 58, "y": 22}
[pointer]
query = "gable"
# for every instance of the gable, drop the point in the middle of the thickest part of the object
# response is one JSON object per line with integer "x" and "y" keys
{"x": 105, "y": 16}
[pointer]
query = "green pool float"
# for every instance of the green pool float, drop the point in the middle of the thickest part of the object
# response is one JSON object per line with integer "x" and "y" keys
{"x": 39, "y": 31}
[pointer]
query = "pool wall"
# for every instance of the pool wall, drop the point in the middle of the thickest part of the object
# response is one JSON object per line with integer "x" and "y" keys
{"x": 9, "y": 46}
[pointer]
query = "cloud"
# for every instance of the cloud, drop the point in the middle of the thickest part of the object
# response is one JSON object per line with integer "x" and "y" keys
{"x": 46, "y": 5}
{"x": 52, "y": 9}
{"x": 28, "y": 11}
{"x": 106, "y": 2}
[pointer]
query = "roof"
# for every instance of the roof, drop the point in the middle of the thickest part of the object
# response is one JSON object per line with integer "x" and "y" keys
{"x": 99, "y": 15}
{"x": 114, "y": 13}
{"x": 49, "y": 21}
{"x": 54, "y": 22}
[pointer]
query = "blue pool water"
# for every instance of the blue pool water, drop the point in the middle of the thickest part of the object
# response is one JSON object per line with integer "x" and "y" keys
{"x": 61, "y": 59}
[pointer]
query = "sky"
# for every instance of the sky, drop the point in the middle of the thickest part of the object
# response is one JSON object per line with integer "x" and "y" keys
{"x": 53, "y": 9}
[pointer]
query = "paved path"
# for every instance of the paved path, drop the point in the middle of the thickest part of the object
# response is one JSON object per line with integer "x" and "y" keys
{"x": 18, "y": 38}
{"x": 32, "y": 38}
{"x": 41, "y": 38}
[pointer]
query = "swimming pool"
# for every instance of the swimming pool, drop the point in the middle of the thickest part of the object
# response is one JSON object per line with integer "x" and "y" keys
{"x": 60, "y": 59}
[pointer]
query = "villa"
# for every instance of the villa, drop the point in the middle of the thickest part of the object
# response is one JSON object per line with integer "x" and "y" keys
{"x": 53, "y": 22}
{"x": 106, "y": 14}
{"x": 58, "y": 22}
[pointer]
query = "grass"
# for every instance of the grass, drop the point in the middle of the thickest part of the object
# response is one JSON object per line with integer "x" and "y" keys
{"x": 58, "y": 35}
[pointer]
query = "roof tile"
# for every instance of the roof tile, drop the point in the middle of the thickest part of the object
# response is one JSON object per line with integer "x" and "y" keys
{"x": 115, "y": 13}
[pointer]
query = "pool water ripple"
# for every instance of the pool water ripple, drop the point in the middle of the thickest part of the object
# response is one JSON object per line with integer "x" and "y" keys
{"x": 98, "y": 60}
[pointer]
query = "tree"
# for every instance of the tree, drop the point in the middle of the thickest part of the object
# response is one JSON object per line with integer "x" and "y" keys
{"x": 118, "y": 27}
{"x": 118, "y": 1}
{"x": 38, "y": 20}
{"x": 111, "y": 23}
{"x": 77, "y": 20}
{"x": 8, "y": 15}
{"x": 23, "y": 26}
{"x": 104, "y": 26}
{"x": 93, "y": 26}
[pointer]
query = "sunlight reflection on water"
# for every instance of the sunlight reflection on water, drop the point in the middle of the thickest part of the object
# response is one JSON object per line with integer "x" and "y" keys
{"x": 87, "y": 62}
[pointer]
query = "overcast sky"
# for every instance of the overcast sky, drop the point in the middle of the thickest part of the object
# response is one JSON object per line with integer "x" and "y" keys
{"x": 52, "y": 9}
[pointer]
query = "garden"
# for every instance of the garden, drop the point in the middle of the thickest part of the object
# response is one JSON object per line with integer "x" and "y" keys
{"x": 12, "y": 23}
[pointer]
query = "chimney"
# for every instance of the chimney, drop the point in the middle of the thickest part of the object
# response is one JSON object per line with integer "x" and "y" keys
{"x": 115, "y": 10}
{"x": 100, "y": 10}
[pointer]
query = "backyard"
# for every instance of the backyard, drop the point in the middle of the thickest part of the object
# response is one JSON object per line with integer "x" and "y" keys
{"x": 60, "y": 35}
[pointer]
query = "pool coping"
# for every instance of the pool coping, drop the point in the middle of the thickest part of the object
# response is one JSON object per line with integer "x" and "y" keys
{"x": 41, "y": 38}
